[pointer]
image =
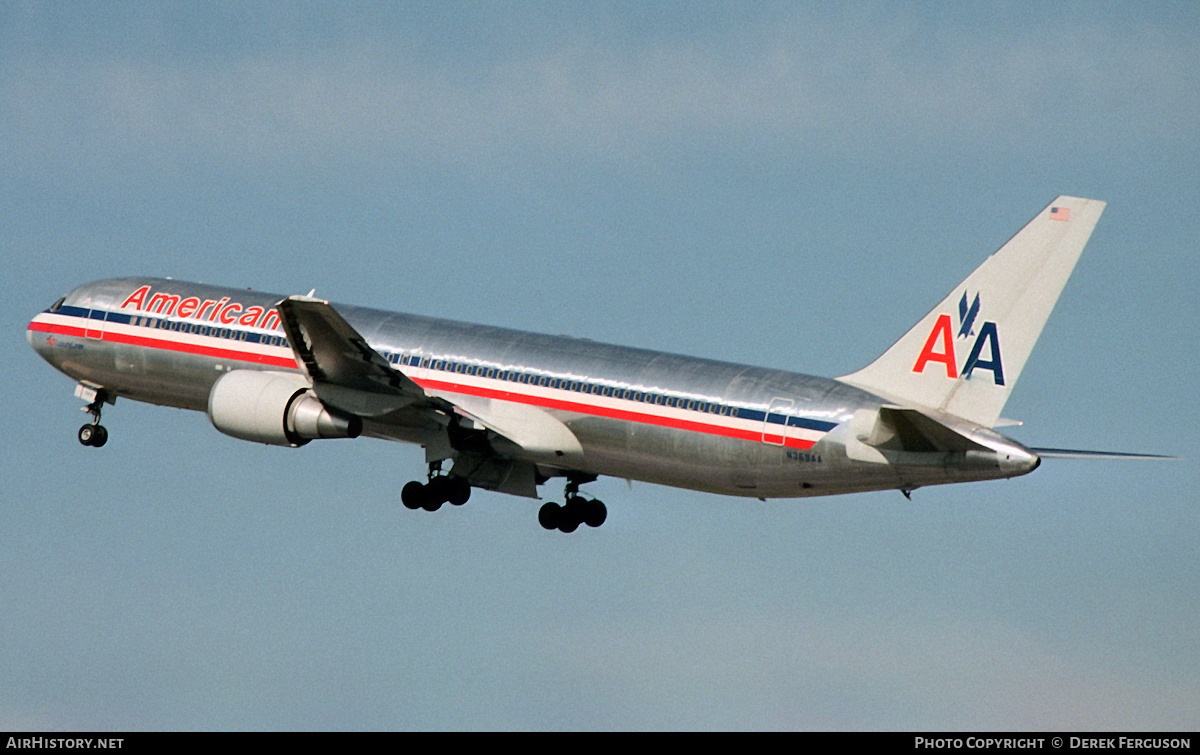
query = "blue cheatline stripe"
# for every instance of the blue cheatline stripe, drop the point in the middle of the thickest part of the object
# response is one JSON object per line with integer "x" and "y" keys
{"x": 776, "y": 418}
{"x": 237, "y": 334}
{"x": 414, "y": 360}
{"x": 811, "y": 424}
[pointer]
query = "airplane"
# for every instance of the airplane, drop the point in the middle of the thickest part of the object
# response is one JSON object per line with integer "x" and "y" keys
{"x": 511, "y": 410}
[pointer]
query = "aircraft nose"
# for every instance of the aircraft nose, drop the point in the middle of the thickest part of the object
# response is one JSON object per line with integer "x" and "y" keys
{"x": 32, "y": 334}
{"x": 39, "y": 336}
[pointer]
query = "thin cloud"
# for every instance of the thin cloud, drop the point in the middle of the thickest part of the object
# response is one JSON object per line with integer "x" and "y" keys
{"x": 820, "y": 673}
{"x": 804, "y": 88}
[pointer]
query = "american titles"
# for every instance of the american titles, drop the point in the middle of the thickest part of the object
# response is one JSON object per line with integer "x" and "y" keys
{"x": 221, "y": 310}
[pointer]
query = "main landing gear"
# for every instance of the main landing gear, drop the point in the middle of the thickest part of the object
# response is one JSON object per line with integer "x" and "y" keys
{"x": 576, "y": 511}
{"x": 439, "y": 490}
{"x": 94, "y": 434}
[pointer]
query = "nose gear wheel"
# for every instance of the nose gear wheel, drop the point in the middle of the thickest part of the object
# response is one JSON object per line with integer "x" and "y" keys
{"x": 93, "y": 433}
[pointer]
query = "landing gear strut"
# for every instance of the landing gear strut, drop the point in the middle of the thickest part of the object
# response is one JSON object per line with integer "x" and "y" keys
{"x": 94, "y": 434}
{"x": 576, "y": 511}
{"x": 439, "y": 490}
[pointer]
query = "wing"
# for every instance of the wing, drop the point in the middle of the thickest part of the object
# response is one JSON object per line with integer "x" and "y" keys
{"x": 347, "y": 374}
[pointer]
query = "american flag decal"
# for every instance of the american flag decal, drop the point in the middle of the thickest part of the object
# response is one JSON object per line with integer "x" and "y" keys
{"x": 1060, "y": 213}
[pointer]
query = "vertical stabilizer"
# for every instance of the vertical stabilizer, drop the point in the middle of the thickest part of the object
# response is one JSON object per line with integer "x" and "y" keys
{"x": 965, "y": 356}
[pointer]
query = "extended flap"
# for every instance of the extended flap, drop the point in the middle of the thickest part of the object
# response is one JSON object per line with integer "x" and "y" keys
{"x": 535, "y": 430}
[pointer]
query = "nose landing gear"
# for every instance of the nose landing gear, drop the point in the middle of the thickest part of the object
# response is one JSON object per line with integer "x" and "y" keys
{"x": 94, "y": 434}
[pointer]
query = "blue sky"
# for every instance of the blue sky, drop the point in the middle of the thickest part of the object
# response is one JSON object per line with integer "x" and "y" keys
{"x": 776, "y": 184}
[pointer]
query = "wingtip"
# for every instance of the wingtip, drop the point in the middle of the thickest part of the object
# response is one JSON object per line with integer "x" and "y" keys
{"x": 305, "y": 298}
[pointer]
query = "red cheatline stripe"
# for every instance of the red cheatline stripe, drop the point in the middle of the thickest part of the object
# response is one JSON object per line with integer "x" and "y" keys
{"x": 470, "y": 390}
{"x": 158, "y": 343}
{"x": 61, "y": 330}
{"x": 604, "y": 411}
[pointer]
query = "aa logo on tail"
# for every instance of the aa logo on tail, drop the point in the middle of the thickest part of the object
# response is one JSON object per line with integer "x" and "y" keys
{"x": 939, "y": 347}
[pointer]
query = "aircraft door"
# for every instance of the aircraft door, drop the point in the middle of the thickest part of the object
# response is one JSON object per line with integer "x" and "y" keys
{"x": 95, "y": 324}
{"x": 93, "y": 327}
{"x": 775, "y": 427}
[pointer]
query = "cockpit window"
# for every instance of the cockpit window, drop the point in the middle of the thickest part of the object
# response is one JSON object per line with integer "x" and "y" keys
{"x": 58, "y": 304}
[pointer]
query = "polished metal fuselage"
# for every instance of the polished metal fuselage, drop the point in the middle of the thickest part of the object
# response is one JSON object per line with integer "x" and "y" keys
{"x": 638, "y": 414}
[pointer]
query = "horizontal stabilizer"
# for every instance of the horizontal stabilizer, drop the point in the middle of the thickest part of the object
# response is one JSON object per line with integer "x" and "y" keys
{"x": 1067, "y": 453}
{"x": 902, "y": 429}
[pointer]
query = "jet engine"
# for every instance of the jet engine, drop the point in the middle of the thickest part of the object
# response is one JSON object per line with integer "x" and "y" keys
{"x": 278, "y": 408}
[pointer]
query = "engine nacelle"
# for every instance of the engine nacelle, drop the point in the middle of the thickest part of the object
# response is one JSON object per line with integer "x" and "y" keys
{"x": 278, "y": 408}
